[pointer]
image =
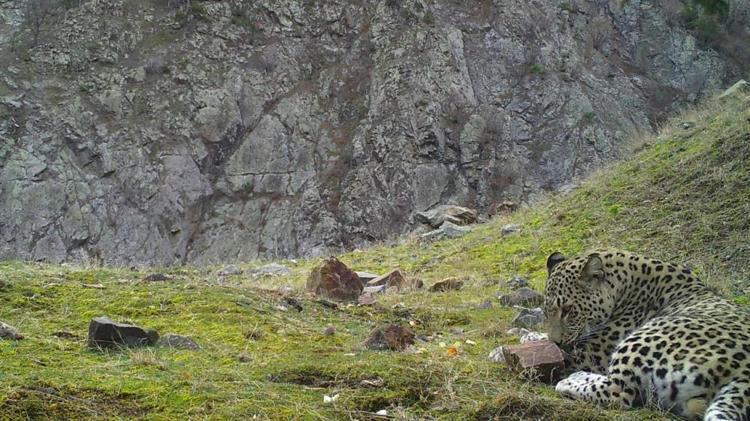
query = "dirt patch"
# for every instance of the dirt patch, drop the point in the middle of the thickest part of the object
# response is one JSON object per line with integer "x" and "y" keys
{"x": 315, "y": 377}
{"x": 45, "y": 402}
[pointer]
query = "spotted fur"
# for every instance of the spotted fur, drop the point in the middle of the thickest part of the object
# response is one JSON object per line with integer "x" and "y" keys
{"x": 643, "y": 332}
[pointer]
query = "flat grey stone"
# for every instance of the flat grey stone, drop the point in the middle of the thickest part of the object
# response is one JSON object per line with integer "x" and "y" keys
{"x": 374, "y": 289}
{"x": 366, "y": 277}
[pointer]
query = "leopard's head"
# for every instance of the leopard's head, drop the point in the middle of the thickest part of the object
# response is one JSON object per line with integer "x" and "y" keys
{"x": 578, "y": 298}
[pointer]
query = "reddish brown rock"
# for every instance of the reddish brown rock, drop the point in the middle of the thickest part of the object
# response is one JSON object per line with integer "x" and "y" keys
{"x": 395, "y": 280}
{"x": 392, "y": 278}
{"x": 392, "y": 337}
{"x": 448, "y": 284}
{"x": 332, "y": 279}
{"x": 539, "y": 360}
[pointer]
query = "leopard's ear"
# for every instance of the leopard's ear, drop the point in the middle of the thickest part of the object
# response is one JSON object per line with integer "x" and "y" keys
{"x": 592, "y": 272}
{"x": 553, "y": 260}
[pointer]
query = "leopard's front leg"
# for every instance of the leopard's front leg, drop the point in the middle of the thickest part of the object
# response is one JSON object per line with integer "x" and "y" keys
{"x": 596, "y": 388}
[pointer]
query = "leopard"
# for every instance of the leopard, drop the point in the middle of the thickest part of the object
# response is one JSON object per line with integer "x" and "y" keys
{"x": 639, "y": 332}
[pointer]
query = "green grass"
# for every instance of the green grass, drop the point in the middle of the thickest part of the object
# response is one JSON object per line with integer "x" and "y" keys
{"x": 684, "y": 197}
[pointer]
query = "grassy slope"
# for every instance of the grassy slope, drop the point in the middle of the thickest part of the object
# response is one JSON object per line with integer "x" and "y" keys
{"x": 685, "y": 198}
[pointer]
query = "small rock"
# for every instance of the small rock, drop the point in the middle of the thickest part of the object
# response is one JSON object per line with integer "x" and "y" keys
{"x": 484, "y": 305}
{"x": 497, "y": 356}
{"x": 528, "y": 318}
{"x": 230, "y": 270}
{"x": 522, "y": 296}
{"x": 178, "y": 342}
{"x": 156, "y": 277}
{"x": 286, "y": 290}
{"x": 533, "y": 337}
{"x": 330, "y": 399}
{"x": 687, "y": 125}
{"x": 541, "y": 360}
{"x": 448, "y": 284}
{"x": 382, "y": 413}
{"x": 517, "y": 282}
{"x": 374, "y": 289}
{"x": 272, "y": 269}
{"x": 329, "y": 330}
{"x": 511, "y": 229}
{"x": 333, "y": 279}
{"x": 392, "y": 337}
{"x": 366, "y": 277}
{"x": 366, "y": 300}
{"x": 68, "y": 336}
{"x": 244, "y": 358}
{"x": 517, "y": 331}
{"x": 393, "y": 279}
{"x": 446, "y": 230}
{"x": 9, "y": 332}
{"x": 291, "y": 302}
{"x": 103, "y": 332}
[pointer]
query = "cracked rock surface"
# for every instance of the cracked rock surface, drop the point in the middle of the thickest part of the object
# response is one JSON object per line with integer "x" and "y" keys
{"x": 231, "y": 130}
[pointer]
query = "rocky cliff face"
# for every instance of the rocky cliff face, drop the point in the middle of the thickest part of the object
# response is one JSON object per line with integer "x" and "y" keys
{"x": 160, "y": 132}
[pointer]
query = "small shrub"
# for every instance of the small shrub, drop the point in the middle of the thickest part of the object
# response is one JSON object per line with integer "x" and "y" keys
{"x": 536, "y": 69}
{"x": 589, "y": 116}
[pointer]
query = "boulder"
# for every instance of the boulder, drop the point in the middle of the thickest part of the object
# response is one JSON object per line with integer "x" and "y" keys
{"x": 522, "y": 296}
{"x": 104, "y": 333}
{"x": 391, "y": 337}
{"x": 448, "y": 284}
{"x": 539, "y": 360}
{"x": 447, "y": 213}
{"x": 333, "y": 279}
{"x": 178, "y": 342}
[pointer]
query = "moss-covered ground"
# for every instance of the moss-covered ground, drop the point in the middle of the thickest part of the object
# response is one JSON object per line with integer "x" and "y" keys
{"x": 683, "y": 197}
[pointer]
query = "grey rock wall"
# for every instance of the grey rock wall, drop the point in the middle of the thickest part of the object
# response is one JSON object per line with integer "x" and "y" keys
{"x": 163, "y": 132}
